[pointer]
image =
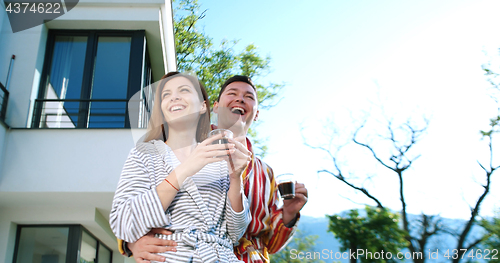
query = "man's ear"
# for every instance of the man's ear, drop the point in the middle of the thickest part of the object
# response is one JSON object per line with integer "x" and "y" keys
{"x": 256, "y": 116}
{"x": 215, "y": 109}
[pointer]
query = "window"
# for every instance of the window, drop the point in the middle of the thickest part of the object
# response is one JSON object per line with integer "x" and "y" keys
{"x": 42, "y": 244}
{"x": 59, "y": 244}
{"x": 91, "y": 250}
{"x": 89, "y": 77}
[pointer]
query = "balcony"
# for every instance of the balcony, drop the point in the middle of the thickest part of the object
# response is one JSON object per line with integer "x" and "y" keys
{"x": 91, "y": 113}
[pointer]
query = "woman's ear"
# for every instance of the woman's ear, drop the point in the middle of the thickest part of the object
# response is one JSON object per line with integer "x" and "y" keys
{"x": 203, "y": 107}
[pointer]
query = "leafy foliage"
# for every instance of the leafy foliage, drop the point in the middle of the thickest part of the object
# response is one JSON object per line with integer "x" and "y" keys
{"x": 493, "y": 242}
{"x": 300, "y": 243}
{"x": 197, "y": 53}
{"x": 378, "y": 231}
{"x": 213, "y": 65}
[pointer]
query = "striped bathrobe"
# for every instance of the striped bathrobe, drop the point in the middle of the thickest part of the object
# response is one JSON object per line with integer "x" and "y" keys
{"x": 266, "y": 234}
{"x": 204, "y": 224}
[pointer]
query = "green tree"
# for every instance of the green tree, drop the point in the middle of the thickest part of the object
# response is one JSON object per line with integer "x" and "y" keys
{"x": 196, "y": 52}
{"x": 394, "y": 149}
{"x": 376, "y": 232}
{"x": 300, "y": 243}
{"x": 492, "y": 227}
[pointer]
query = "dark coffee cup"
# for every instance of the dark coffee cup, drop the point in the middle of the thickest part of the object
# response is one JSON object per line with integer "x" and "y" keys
{"x": 286, "y": 186}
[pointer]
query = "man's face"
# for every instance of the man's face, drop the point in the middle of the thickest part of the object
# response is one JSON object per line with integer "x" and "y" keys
{"x": 237, "y": 106}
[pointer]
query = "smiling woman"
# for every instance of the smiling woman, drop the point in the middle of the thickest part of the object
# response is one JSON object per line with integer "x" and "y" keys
{"x": 178, "y": 183}
{"x": 158, "y": 129}
{"x": 180, "y": 104}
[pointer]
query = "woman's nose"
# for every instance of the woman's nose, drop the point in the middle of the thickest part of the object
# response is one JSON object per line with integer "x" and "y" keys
{"x": 175, "y": 97}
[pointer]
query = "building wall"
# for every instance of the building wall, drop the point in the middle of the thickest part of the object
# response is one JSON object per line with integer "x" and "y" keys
{"x": 26, "y": 46}
{"x": 67, "y": 176}
{"x": 62, "y": 176}
{"x": 68, "y": 160}
{"x": 3, "y": 140}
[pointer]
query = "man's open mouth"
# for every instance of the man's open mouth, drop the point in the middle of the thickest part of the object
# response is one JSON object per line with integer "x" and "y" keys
{"x": 238, "y": 110}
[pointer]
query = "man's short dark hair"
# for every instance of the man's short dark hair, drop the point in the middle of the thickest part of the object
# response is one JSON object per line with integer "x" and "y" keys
{"x": 236, "y": 78}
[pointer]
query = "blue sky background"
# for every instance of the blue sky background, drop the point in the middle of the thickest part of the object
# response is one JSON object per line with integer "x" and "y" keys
{"x": 341, "y": 60}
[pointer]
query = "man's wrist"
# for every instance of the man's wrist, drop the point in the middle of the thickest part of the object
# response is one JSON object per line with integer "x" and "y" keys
{"x": 292, "y": 222}
{"x": 127, "y": 251}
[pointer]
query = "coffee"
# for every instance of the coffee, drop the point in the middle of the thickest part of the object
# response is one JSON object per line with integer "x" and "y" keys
{"x": 287, "y": 190}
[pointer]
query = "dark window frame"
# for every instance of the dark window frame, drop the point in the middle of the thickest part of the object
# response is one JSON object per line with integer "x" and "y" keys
{"x": 74, "y": 240}
{"x": 136, "y": 64}
{"x": 4, "y": 99}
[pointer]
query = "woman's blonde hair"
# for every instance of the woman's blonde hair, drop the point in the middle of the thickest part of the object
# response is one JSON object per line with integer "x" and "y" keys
{"x": 158, "y": 128}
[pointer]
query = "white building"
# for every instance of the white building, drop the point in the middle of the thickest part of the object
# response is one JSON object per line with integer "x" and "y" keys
{"x": 66, "y": 132}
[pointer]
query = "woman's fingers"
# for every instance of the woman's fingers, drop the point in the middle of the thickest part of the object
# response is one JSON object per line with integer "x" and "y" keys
{"x": 209, "y": 140}
{"x": 215, "y": 147}
{"x": 218, "y": 153}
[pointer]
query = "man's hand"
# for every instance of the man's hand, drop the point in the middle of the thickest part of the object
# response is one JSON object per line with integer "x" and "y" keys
{"x": 145, "y": 248}
{"x": 239, "y": 159}
{"x": 292, "y": 207}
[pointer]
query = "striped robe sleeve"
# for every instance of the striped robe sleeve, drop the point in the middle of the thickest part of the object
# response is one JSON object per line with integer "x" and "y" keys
{"x": 136, "y": 207}
{"x": 237, "y": 222}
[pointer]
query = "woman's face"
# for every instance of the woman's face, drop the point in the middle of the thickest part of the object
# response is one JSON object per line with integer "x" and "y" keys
{"x": 180, "y": 102}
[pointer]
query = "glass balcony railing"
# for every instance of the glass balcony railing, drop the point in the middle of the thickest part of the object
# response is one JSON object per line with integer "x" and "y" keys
{"x": 90, "y": 113}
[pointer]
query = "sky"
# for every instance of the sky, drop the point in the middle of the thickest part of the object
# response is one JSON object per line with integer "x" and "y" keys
{"x": 345, "y": 61}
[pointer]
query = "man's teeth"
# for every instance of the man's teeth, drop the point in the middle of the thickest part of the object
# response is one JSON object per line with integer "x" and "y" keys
{"x": 240, "y": 111}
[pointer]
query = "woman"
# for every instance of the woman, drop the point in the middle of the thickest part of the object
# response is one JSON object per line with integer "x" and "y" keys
{"x": 179, "y": 181}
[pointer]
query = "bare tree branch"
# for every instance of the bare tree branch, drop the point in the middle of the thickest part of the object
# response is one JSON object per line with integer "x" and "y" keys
{"x": 361, "y": 189}
{"x": 475, "y": 210}
{"x": 369, "y": 148}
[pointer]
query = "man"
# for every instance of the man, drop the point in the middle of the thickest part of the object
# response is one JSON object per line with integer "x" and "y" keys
{"x": 271, "y": 228}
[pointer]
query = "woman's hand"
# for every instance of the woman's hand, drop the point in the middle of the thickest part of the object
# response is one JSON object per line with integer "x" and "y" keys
{"x": 203, "y": 154}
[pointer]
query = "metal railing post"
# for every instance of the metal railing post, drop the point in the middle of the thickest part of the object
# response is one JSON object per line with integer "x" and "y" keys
{"x": 9, "y": 74}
